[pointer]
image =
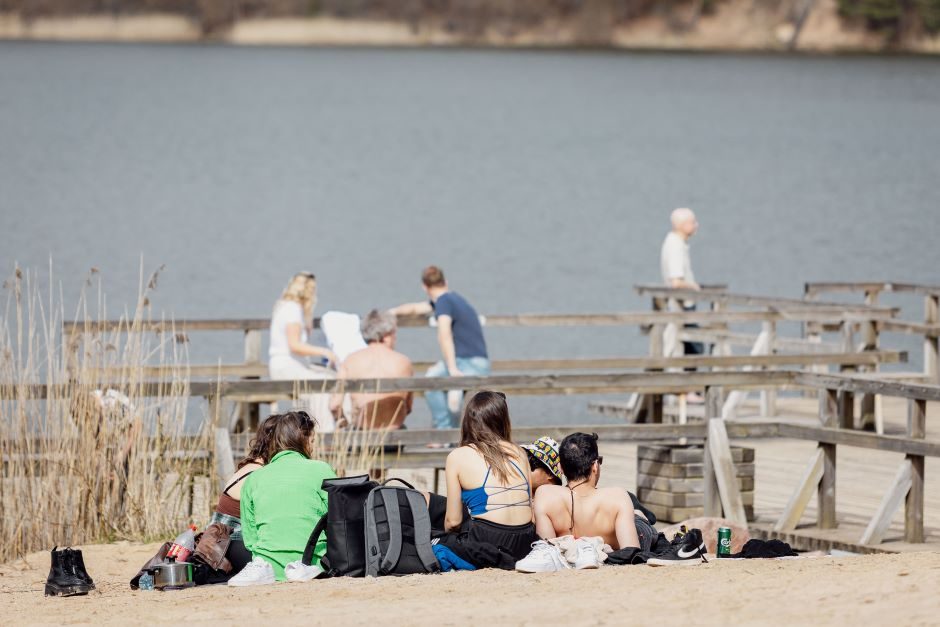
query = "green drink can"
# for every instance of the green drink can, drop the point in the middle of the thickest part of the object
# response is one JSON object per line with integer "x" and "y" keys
{"x": 724, "y": 542}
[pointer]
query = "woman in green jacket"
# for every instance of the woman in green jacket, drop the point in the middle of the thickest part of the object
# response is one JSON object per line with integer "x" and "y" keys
{"x": 283, "y": 501}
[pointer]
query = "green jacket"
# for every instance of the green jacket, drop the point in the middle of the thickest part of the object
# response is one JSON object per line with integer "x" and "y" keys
{"x": 281, "y": 503}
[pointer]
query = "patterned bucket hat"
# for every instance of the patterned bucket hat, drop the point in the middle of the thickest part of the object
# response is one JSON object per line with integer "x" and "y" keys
{"x": 545, "y": 449}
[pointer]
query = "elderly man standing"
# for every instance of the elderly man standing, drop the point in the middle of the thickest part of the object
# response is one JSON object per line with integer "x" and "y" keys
{"x": 676, "y": 266}
{"x": 377, "y": 360}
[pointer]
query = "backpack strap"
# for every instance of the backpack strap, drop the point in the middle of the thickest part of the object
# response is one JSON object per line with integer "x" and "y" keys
{"x": 312, "y": 541}
{"x": 422, "y": 525}
{"x": 393, "y": 512}
{"x": 401, "y": 481}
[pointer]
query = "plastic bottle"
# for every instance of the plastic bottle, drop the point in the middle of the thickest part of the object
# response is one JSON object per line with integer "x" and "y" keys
{"x": 183, "y": 546}
{"x": 146, "y": 582}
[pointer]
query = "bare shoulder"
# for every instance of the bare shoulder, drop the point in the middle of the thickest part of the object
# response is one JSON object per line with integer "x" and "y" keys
{"x": 549, "y": 493}
{"x": 614, "y": 496}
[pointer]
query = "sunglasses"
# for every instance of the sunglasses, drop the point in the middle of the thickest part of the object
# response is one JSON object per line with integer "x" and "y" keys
{"x": 599, "y": 460}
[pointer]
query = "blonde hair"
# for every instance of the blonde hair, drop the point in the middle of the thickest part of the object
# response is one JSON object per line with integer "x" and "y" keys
{"x": 302, "y": 288}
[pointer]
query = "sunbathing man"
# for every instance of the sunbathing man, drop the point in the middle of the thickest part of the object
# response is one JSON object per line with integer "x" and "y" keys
{"x": 582, "y": 510}
{"x": 378, "y": 359}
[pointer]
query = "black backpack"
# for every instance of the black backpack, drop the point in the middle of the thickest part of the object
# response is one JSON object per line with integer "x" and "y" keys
{"x": 363, "y": 515}
{"x": 398, "y": 532}
{"x": 344, "y": 524}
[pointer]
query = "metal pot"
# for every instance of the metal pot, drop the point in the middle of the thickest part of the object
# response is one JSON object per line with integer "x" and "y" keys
{"x": 173, "y": 576}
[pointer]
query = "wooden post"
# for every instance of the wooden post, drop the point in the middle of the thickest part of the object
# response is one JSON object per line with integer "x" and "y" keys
{"x": 712, "y": 501}
{"x": 768, "y": 397}
{"x": 914, "y": 503}
{"x": 846, "y": 406}
{"x": 932, "y": 342}
{"x": 249, "y": 414}
{"x": 867, "y": 417}
{"x": 826, "y": 492}
{"x": 654, "y": 402}
{"x": 222, "y": 439}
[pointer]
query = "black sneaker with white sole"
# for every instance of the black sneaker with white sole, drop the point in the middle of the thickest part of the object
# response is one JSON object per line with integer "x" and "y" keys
{"x": 686, "y": 550}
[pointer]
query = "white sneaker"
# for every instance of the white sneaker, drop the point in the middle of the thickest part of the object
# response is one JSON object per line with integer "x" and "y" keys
{"x": 257, "y": 573}
{"x": 586, "y": 555}
{"x": 298, "y": 571}
{"x": 544, "y": 558}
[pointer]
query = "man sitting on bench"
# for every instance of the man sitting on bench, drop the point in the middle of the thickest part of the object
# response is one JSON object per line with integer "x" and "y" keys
{"x": 377, "y": 360}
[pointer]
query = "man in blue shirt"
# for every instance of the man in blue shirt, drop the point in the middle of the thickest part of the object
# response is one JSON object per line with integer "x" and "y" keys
{"x": 460, "y": 336}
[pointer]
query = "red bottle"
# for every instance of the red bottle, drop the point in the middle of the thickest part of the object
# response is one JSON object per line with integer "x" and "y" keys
{"x": 183, "y": 546}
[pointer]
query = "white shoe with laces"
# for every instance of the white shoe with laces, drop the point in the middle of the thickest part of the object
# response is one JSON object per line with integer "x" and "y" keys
{"x": 298, "y": 571}
{"x": 586, "y": 555}
{"x": 256, "y": 573}
{"x": 544, "y": 558}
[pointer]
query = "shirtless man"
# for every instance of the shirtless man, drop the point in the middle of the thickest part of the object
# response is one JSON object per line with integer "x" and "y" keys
{"x": 581, "y": 508}
{"x": 378, "y": 359}
{"x": 583, "y": 512}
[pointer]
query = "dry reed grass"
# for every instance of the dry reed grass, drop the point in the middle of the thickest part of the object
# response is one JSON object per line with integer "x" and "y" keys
{"x": 88, "y": 456}
{"x": 91, "y": 450}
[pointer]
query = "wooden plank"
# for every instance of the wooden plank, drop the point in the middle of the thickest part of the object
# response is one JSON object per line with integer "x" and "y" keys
{"x": 897, "y": 444}
{"x": 686, "y": 471}
{"x": 932, "y": 342}
{"x": 224, "y": 460}
{"x": 690, "y": 454}
{"x": 917, "y": 418}
{"x": 696, "y": 485}
{"x": 712, "y": 501}
{"x": 730, "y": 298}
{"x": 804, "y": 311}
{"x": 681, "y": 499}
{"x": 867, "y": 385}
{"x": 864, "y": 286}
{"x": 846, "y": 410}
{"x": 728, "y": 338}
{"x": 914, "y": 502}
{"x": 880, "y": 522}
{"x": 768, "y": 396}
{"x": 826, "y": 492}
{"x": 720, "y": 452}
{"x": 793, "y": 512}
{"x": 734, "y": 399}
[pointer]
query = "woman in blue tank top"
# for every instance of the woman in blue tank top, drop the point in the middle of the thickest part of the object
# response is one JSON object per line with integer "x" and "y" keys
{"x": 488, "y": 476}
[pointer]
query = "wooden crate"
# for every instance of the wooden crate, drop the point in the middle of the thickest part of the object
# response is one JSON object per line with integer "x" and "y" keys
{"x": 670, "y": 480}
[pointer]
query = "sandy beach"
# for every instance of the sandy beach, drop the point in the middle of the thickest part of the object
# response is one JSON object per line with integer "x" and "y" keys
{"x": 896, "y": 589}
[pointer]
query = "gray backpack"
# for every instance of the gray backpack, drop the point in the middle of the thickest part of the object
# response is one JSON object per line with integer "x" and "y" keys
{"x": 398, "y": 532}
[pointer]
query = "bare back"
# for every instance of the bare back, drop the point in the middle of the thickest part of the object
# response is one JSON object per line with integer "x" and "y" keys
{"x": 508, "y": 501}
{"x": 377, "y": 362}
{"x": 604, "y": 512}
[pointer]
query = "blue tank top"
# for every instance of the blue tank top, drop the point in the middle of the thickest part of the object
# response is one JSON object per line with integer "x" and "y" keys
{"x": 477, "y": 499}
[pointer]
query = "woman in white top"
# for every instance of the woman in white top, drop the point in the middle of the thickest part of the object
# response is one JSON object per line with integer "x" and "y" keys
{"x": 290, "y": 353}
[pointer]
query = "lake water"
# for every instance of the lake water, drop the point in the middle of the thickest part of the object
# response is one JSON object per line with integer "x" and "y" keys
{"x": 540, "y": 181}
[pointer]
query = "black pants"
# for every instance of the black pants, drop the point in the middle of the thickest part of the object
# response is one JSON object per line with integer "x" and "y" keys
{"x": 237, "y": 554}
{"x": 483, "y": 543}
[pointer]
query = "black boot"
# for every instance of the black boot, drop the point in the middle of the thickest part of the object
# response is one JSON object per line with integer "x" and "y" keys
{"x": 62, "y": 581}
{"x": 78, "y": 564}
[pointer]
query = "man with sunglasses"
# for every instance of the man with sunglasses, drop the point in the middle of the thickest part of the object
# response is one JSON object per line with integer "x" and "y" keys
{"x": 580, "y": 508}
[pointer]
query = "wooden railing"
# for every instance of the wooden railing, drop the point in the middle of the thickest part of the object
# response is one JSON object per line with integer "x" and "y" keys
{"x": 872, "y": 291}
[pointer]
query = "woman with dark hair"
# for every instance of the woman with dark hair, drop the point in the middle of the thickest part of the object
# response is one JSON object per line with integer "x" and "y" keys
{"x": 282, "y": 501}
{"x": 228, "y": 508}
{"x": 488, "y": 477}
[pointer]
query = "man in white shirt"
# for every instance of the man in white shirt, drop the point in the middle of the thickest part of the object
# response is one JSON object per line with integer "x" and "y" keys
{"x": 676, "y": 266}
{"x": 675, "y": 262}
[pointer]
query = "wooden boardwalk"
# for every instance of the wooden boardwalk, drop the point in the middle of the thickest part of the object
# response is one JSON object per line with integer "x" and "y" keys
{"x": 863, "y": 476}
